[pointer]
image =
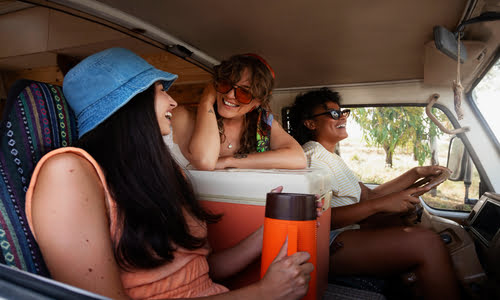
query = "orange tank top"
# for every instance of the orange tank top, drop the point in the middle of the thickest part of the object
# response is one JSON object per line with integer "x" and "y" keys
{"x": 185, "y": 277}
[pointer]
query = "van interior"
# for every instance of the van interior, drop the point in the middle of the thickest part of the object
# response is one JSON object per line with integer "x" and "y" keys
{"x": 374, "y": 53}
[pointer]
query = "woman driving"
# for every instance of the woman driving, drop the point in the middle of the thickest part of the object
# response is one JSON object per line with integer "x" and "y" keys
{"x": 319, "y": 124}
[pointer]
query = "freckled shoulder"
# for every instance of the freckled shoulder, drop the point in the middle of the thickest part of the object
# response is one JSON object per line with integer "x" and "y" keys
{"x": 72, "y": 226}
{"x": 67, "y": 163}
{"x": 68, "y": 173}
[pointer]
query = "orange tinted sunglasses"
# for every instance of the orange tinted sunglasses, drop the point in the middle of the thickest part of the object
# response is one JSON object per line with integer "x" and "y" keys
{"x": 241, "y": 94}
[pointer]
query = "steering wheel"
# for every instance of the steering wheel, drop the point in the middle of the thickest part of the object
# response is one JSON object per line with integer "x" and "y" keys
{"x": 413, "y": 217}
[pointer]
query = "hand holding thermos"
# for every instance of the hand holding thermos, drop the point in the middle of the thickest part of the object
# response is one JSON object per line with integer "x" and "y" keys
{"x": 289, "y": 243}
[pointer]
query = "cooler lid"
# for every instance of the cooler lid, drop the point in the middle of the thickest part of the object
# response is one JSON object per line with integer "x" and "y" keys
{"x": 250, "y": 186}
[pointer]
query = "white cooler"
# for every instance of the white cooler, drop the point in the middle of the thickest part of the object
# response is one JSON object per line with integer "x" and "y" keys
{"x": 240, "y": 195}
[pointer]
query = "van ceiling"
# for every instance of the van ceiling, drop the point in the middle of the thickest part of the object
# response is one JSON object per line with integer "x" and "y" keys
{"x": 309, "y": 43}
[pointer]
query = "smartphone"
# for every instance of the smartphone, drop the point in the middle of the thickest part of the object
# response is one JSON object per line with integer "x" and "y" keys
{"x": 433, "y": 181}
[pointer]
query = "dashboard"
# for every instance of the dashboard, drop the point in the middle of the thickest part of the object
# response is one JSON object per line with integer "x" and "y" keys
{"x": 484, "y": 227}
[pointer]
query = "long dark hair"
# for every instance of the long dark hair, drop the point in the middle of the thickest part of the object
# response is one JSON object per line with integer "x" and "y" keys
{"x": 149, "y": 188}
{"x": 302, "y": 109}
{"x": 262, "y": 83}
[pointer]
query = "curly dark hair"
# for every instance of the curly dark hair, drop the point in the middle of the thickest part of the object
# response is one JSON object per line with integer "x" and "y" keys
{"x": 302, "y": 109}
{"x": 262, "y": 85}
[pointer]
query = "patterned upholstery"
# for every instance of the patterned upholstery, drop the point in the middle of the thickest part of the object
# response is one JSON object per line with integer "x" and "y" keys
{"x": 36, "y": 120}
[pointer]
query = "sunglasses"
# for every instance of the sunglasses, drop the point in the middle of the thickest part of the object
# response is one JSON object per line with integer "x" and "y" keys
{"x": 241, "y": 94}
{"x": 335, "y": 114}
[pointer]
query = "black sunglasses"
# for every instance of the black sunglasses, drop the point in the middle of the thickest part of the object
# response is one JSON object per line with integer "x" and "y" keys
{"x": 335, "y": 114}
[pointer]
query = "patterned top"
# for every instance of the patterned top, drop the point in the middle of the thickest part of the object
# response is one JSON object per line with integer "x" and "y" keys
{"x": 264, "y": 124}
{"x": 345, "y": 184}
{"x": 185, "y": 277}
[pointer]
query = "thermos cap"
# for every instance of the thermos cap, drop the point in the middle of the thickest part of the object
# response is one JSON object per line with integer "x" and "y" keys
{"x": 290, "y": 206}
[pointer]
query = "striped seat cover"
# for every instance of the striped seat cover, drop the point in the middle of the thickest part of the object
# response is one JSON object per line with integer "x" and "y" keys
{"x": 36, "y": 120}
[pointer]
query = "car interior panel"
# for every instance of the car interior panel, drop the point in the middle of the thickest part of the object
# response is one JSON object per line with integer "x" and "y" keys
{"x": 374, "y": 53}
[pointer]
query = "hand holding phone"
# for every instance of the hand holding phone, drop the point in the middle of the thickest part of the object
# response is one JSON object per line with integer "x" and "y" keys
{"x": 431, "y": 182}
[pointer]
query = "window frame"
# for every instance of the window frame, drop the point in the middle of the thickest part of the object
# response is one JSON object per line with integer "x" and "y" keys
{"x": 484, "y": 180}
{"x": 475, "y": 109}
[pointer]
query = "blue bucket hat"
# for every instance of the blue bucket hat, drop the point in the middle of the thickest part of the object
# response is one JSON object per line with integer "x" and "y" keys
{"x": 104, "y": 82}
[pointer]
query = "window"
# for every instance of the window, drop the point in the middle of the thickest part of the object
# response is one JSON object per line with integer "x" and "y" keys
{"x": 385, "y": 142}
{"x": 486, "y": 95}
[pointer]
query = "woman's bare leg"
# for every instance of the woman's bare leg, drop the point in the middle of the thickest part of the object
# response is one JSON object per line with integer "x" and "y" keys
{"x": 398, "y": 249}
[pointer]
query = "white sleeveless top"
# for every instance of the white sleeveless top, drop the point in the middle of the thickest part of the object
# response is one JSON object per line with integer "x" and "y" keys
{"x": 176, "y": 151}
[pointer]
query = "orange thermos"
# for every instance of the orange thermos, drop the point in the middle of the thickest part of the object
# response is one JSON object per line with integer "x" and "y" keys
{"x": 292, "y": 215}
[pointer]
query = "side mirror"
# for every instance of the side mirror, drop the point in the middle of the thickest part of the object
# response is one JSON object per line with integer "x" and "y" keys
{"x": 458, "y": 159}
{"x": 460, "y": 164}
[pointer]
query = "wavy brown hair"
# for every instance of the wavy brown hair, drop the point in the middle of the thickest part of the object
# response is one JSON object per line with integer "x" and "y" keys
{"x": 262, "y": 83}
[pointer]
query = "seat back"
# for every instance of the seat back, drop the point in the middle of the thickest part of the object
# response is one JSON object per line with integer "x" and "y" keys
{"x": 36, "y": 120}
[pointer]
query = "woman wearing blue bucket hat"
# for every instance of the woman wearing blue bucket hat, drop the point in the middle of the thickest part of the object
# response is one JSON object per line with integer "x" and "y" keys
{"x": 116, "y": 216}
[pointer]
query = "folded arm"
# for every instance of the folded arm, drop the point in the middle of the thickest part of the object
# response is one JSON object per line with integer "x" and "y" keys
{"x": 196, "y": 131}
{"x": 204, "y": 145}
{"x": 285, "y": 153}
{"x": 202, "y": 151}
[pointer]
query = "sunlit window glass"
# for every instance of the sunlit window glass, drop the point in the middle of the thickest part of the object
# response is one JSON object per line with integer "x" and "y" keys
{"x": 487, "y": 97}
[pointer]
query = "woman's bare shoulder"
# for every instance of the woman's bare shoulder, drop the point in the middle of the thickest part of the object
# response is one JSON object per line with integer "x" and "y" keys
{"x": 67, "y": 163}
{"x": 72, "y": 225}
{"x": 67, "y": 173}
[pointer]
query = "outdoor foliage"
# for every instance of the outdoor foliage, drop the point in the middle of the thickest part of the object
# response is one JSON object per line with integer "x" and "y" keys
{"x": 404, "y": 127}
{"x": 368, "y": 164}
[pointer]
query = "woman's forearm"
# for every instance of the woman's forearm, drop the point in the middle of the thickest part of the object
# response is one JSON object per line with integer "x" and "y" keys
{"x": 285, "y": 158}
{"x": 204, "y": 146}
{"x": 351, "y": 214}
{"x": 240, "y": 256}
{"x": 395, "y": 185}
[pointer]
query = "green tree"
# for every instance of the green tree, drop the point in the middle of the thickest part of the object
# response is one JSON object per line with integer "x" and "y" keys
{"x": 392, "y": 127}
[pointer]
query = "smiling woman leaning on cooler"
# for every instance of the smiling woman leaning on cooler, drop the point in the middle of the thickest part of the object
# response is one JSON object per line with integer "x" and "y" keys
{"x": 232, "y": 125}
